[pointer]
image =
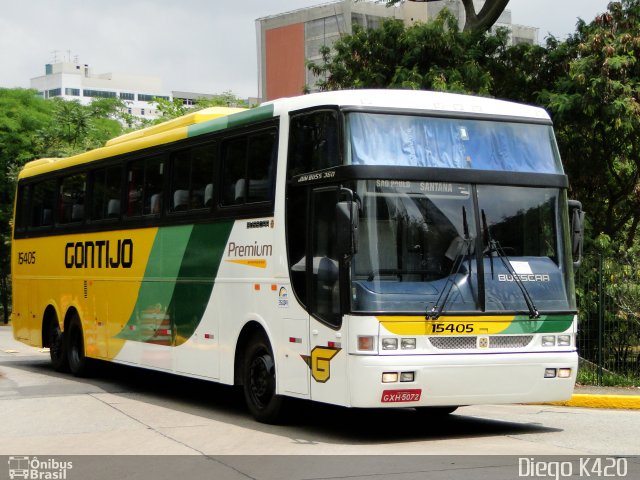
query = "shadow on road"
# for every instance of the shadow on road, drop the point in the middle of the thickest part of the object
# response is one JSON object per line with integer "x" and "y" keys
{"x": 319, "y": 422}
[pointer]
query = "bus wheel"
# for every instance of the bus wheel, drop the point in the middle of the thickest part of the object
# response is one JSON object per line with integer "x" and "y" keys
{"x": 259, "y": 382}
{"x": 57, "y": 347}
{"x": 435, "y": 412}
{"x": 79, "y": 364}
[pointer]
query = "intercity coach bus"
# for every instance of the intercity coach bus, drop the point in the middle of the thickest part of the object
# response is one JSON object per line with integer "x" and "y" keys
{"x": 359, "y": 248}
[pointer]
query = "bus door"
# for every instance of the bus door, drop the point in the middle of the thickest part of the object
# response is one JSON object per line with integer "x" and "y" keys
{"x": 326, "y": 273}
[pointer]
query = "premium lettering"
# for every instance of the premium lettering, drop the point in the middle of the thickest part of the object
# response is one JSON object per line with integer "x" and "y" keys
{"x": 255, "y": 250}
{"x": 99, "y": 254}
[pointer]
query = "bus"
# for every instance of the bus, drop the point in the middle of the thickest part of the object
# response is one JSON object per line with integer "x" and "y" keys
{"x": 368, "y": 248}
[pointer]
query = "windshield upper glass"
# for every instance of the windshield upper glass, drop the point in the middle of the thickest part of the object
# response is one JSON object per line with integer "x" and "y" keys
{"x": 419, "y": 248}
{"x": 404, "y": 140}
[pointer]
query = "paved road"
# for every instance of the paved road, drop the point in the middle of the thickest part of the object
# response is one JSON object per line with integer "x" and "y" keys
{"x": 131, "y": 411}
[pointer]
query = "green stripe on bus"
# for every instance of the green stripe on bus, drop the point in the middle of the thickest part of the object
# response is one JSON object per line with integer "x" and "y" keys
{"x": 196, "y": 278}
{"x": 178, "y": 282}
{"x": 237, "y": 119}
{"x": 544, "y": 324}
{"x": 158, "y": 284}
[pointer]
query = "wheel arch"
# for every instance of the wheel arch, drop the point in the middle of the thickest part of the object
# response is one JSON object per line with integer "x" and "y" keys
{"x": 249, "y": 330}
{"x": 49, "y": 316}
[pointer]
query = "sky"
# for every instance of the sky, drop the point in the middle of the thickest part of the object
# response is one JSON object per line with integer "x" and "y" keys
{"x": 204, "y": 46}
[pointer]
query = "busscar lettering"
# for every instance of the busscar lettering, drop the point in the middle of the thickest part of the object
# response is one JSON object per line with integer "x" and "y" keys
{"x": 99, "y": 254}
{"x": 502, "y": 277}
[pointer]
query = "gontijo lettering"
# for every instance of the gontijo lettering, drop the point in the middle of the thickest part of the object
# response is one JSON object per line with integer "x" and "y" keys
{"x": 99, "y": 254}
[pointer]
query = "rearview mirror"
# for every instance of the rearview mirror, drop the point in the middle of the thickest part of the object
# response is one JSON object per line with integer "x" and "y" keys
{"x": 347, "y": 228}
{"x": 577, "y": 231}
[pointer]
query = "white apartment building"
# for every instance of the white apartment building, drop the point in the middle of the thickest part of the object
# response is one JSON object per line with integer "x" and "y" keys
{"x": 75, "y": 81}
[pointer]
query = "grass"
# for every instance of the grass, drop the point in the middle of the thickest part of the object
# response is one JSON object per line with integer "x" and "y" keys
{"x": 588, "y": 375}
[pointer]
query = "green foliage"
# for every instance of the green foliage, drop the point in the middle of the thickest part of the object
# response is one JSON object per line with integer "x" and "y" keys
{"x": 431, "y": 56}
{"x": 595, "y": 105}
{"x": 31, "y": 127}
{"x": 176, "y": 108}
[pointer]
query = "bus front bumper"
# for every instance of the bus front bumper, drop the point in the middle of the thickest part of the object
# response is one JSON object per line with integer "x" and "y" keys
{"x": 455, "y": 380}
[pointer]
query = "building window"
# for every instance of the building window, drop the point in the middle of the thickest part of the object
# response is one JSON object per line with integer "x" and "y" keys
{"x": 99, "y": 94}
{"x": 72, "y": 92}
{"x": 55, "y": 92}
{"x": 142, "y": 111}
{"x": 143, "y": 97}
{"x": 127, "y": 96}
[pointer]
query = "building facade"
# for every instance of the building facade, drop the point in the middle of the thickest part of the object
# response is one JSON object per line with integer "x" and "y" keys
{"x": 75, "y": 81}
{"x": 288, "y": 40}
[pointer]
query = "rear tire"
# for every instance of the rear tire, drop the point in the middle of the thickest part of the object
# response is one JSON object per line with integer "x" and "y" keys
{"x": 259, "y": 382}
{"x": 57, "y": 347}
{"x": 79, "y": 364}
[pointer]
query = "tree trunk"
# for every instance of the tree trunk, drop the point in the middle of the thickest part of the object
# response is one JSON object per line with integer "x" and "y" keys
{"x": 486, "y": 17}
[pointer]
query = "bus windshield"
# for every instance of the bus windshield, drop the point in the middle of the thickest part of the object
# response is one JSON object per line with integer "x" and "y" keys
{"x": 458, "y": 248}
{"x": 405, "y": 140}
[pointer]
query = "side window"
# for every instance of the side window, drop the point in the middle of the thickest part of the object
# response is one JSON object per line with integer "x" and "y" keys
{"x": 71, "y": 198}
{"x": 22, "y": 207}
{"x": 106, "y": 193}
{"x": 234, "y": 155}
{"x": 248, "y": 164}
{"x": 144, "y": 186}
{"x": 192, "y": 179}
{"x": 42, "y": 204}
{"x": 314, "y": 142}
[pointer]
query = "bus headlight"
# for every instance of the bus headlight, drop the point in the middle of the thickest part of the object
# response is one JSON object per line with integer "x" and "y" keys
{"x": 389, "y": 377}
{"x": 549, "y": 341}
{"x": 408, "y": 344}
{"x": 564, "y": 340}
{"x": 389, "y": 343}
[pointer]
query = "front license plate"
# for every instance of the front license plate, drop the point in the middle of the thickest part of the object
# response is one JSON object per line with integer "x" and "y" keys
{"x": 395, "y": 396}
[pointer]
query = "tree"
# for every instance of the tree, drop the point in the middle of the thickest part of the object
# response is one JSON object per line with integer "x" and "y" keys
{"x": 595, "y": 104}
{"x": 176, "y": 108}
{"x": 22, "y": 115}
{"x": 480, "y": 21}
{"x": 31, "y": 127}
{"x": 434, "y": 56}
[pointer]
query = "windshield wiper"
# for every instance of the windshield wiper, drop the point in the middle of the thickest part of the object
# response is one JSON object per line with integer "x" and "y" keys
{"x": 494, "y": 246}
{"x": 437, "y": 309}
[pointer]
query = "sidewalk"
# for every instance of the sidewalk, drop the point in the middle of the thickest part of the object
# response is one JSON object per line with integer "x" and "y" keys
{"x": 585, "y": 396}
{"x": 589, "y": 396}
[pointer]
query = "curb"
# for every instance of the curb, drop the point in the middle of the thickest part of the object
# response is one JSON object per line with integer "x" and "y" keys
{"x": 628, "y": 402}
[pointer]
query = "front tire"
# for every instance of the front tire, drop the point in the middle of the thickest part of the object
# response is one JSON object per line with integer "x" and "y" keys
{"x": 79, "y": 364}
{"x": 259, "y": 382}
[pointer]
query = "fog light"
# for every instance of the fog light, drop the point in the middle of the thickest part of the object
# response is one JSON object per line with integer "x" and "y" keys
{"x": 366, "y": 342}
{"x": 407, "y": 376}
{"x": 549, "y": 373}
{"x": 564, "y": 340}
{"x": 389, "y": 343}
{"x": 548, "y": 341}
{"x": 389, "y": 377}
{"x": 408, "y": 343}
{"x": 564, "y": 373}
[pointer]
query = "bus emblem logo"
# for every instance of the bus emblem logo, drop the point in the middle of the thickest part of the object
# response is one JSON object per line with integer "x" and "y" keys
{"x": 319, "y": 362}
{"x": 483, "y": 342}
